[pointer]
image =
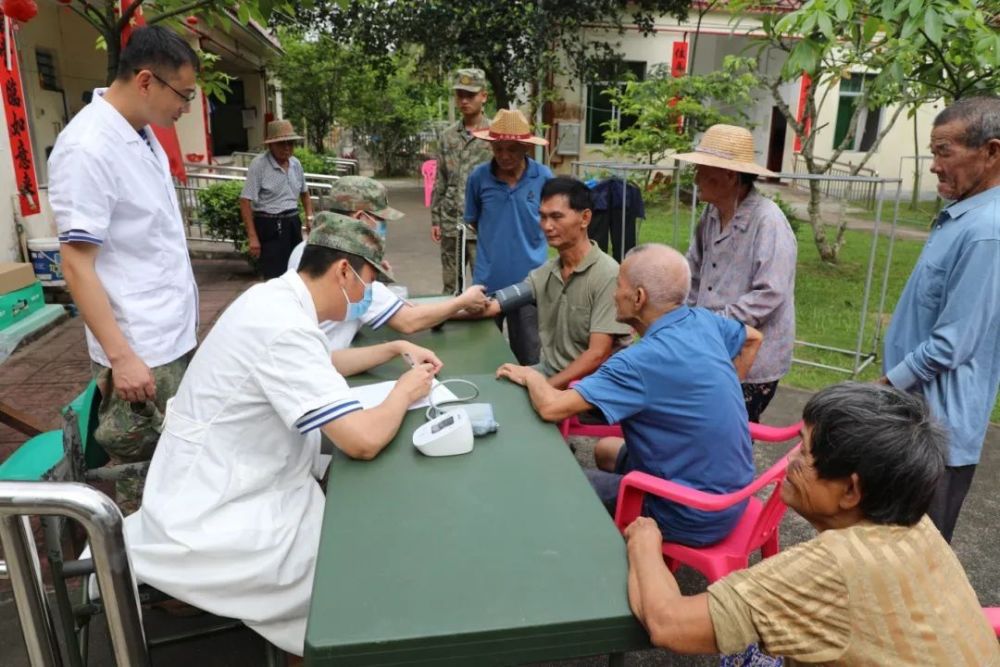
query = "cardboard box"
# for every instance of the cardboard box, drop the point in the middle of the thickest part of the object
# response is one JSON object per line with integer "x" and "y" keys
{"x": 20, "y": 303}
{"x": 15, "y": 276}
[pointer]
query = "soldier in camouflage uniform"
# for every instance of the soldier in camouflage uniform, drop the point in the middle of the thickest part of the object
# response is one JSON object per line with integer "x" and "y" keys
{"x": 458, "y": 153}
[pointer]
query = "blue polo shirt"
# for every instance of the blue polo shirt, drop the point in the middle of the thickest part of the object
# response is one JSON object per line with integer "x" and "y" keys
{"x": 511, "y": 242}
{"x": 680, "y": 404}
{"x": 944, "y": 339}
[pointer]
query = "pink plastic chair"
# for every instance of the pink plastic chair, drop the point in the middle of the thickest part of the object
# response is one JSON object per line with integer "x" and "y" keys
{"x": 756, "y": 529}
{"x": 993, "y": 616}
{"x": 763, "y": 432}
{"x": 429, "y": 171}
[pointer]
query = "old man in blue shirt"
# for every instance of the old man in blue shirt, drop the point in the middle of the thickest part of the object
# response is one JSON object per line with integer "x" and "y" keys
{"x": 676, "y": 393}
{"x": 944, "y": 340}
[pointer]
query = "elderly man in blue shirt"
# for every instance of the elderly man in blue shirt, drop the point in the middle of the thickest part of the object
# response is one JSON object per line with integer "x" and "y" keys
{"x": 944, "y": 340}
{"x": 676, "y": 393}
{"x": 502, "y": 199}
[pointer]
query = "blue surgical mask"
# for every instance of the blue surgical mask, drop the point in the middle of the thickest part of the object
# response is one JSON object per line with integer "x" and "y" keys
{"x": 381, "y": 229}
{"x": 356, "y": 310}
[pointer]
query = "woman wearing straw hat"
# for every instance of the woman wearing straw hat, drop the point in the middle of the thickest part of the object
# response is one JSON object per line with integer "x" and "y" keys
{"x": 269, "y": 202}
{"x": 743, "y": 255}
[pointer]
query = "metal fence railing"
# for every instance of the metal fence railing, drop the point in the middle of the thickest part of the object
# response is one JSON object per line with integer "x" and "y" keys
{"x": 862, "y": 192}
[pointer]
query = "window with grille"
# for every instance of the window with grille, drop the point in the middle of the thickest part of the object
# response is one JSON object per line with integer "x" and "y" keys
{"x": 47, "y": 76}
{"x": 600, "y": 110}
{"x": 851, "y": 90}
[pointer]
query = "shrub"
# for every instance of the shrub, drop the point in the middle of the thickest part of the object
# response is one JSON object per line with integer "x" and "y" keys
{"x": 219, "y": 213}
{"x": 789, "y": 212}
{"x": 312, "y": 163}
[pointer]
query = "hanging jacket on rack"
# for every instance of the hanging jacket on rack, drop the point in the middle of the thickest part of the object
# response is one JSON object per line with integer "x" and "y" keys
{"x": 609, "y": 218}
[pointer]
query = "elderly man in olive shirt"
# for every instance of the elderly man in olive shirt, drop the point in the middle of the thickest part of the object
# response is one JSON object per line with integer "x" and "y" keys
{"x": 574, "y": 291}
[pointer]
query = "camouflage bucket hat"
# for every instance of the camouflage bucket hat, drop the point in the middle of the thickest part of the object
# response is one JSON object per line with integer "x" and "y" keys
{"x": 472, "y": 80}
{"x": 339, "y": 232}
{"x": 360, "y": 193}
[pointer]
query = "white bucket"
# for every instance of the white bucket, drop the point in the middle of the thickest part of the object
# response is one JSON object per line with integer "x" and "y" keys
{"x": 46, "y": 260}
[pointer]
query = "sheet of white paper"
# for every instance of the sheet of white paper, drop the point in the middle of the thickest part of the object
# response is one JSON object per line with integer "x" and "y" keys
{"x": 371, "y": 395}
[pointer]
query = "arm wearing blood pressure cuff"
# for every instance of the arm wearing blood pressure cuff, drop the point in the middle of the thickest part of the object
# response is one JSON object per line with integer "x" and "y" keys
{"x": 513, "y": 297}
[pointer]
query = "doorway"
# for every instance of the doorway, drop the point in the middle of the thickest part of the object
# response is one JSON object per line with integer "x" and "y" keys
{"x": 776, "y": 142}
{"x": 228, "y": 133}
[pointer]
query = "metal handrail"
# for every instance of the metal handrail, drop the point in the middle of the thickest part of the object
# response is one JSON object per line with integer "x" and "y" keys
{"x": 102, "y": 520}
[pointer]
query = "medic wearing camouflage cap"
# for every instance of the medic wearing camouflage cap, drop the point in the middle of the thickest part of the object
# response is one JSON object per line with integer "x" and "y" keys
{"x": 458, "y": 154}
{"x": 351, "y": 194}
{"x": 340, "y": 232}
{"x": 241, "y": 442}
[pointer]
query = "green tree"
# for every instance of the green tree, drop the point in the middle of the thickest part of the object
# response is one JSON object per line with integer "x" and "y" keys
{"x": 516, "y": 42}
{"x": 106, "y": 17}
{"x": 314, "y": 75}
{"x": 660, "y": 102}
{"x": 916, "y": 51}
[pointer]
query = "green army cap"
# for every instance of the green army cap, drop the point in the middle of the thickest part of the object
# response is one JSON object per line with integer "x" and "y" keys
{"x": 360, "y": 193}
{"x": 340, "y": 232}
{"x": 472, "y": 80}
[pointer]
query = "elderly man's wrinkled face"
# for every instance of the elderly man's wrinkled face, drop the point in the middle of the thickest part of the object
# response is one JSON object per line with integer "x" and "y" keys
{"x": 282, "y": 150}
{"x": 563, "y": 226}
{"x": 626, "y": 298}
{"x": 961, "y": 171}
{"x": 509, "y": 154}
{"x": 815, "y": 499}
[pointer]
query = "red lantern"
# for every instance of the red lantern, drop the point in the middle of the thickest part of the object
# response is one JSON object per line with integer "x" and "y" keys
{"x": 195, "y": 157}
{"x": 20, "y": 10}
{"x": 191, "y": 20}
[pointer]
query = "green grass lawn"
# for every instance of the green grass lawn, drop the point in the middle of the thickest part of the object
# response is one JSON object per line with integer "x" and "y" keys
{"x": 914, "y": 218}
{"x": 827, "y": 297}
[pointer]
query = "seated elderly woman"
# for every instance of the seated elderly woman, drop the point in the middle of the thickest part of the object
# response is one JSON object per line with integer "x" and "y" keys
{"x": 877, "y": 586}
{"x": 743, "y": 255}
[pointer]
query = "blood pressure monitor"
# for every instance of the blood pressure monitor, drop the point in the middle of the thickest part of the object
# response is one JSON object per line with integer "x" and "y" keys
{"x": 447, "y": 434}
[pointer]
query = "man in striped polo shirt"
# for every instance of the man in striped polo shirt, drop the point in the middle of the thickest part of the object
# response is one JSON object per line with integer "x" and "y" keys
{"x": 877, "y": 586}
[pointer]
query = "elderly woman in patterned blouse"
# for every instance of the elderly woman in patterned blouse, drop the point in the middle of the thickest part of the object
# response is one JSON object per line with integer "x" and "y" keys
{"x": 743, "y": 255}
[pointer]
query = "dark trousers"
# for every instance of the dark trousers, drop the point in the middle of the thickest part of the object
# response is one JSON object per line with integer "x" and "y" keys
{"x": 522, "y": 333}
{"x": 757, "y": 397}
{"x": 278, "y": 235}
{"x": 604, "y": 223}
{"x": 949, "y": 496}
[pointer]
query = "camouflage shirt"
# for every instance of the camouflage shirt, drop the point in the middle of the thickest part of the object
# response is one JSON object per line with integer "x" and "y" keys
{"x": 458, "y": 153}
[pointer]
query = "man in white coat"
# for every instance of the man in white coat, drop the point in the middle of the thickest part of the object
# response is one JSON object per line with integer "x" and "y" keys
{"x": 230, "y": 520}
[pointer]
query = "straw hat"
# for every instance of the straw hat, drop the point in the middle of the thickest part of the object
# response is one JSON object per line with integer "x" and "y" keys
{"x": 726, "y": 147}
{"x": 510, "y": 125}
{"x": 281, "y": 130}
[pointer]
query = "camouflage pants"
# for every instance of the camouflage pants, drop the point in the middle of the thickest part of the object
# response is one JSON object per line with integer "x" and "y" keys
{"x": 450, "y": 246}
{"x": 128, "y": 431}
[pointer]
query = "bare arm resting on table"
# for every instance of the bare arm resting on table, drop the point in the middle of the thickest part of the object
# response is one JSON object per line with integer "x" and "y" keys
{"x": 551, "y": 404}
{"x": 364, "y": 433}
{"x": 354, "y": 360}
{"x": 598, "y": 350}
{"x": 674, "y": 621}
{"x": 132, "y": 378}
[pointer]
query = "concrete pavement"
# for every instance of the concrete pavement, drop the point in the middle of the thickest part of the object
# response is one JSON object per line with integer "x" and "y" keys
{"x": 48, "y": 372}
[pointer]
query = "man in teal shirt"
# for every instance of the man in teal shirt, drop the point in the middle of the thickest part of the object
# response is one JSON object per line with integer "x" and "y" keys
{"x": 944, "y": 340}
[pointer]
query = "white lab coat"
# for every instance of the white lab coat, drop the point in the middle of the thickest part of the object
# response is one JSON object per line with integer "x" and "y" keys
{"x": 107, "y": 187}
{"x": 231, "y": 514}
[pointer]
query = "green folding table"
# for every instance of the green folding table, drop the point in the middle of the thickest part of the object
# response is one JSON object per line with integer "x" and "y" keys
{"x": 501, "y": 556}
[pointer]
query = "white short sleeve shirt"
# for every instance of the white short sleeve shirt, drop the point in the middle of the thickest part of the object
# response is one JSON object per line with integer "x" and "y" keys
{"x": 231, "y": 513}
{"x": 110, "y": 186}
{"x": 385, "y": 304}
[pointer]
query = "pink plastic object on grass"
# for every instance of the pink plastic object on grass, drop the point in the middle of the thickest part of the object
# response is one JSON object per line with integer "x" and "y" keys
{"x": 429, "y": 171}
{"x": 756, "y": 529}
